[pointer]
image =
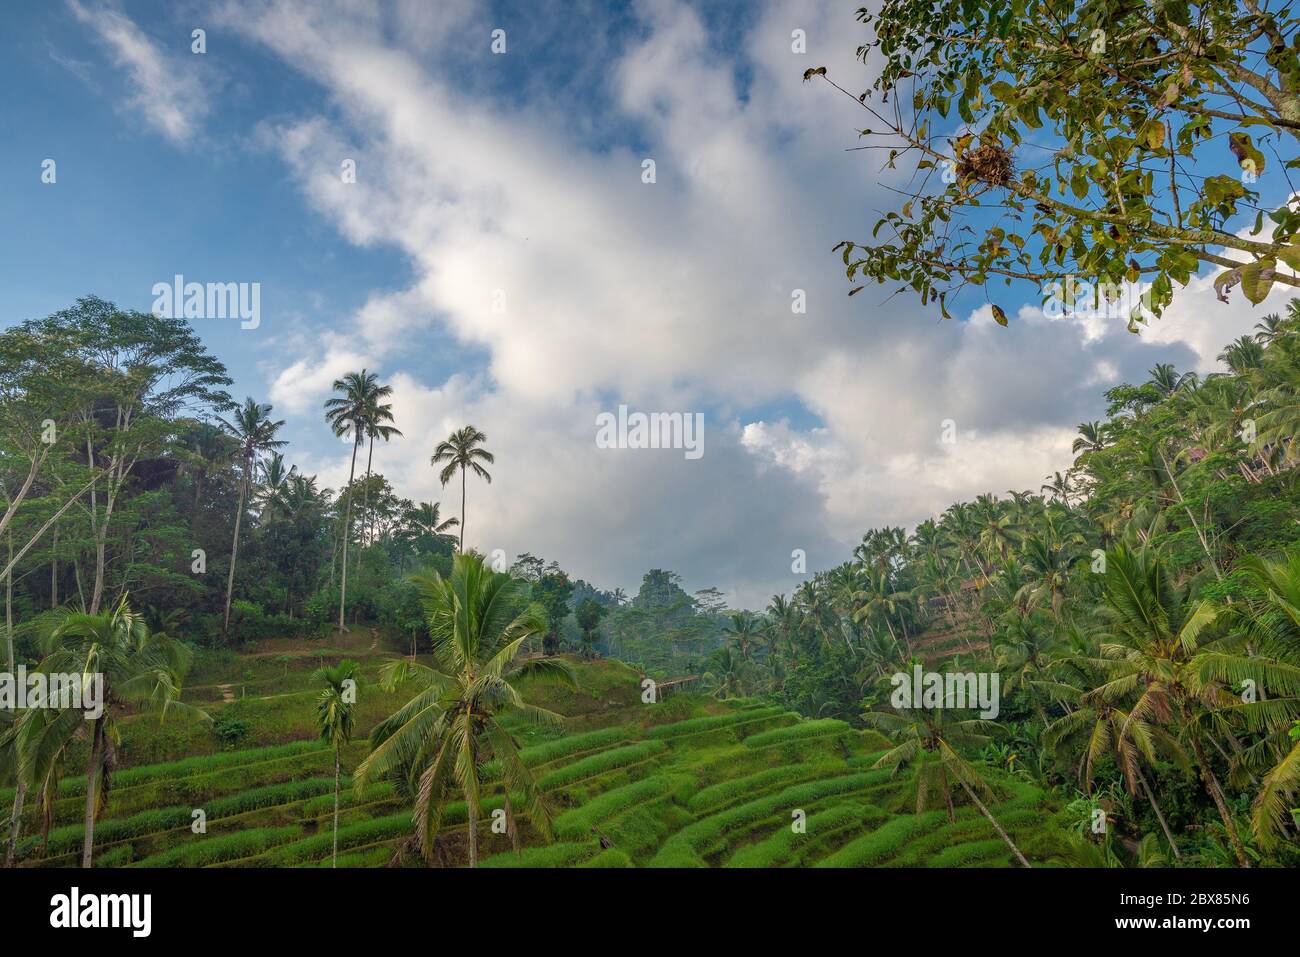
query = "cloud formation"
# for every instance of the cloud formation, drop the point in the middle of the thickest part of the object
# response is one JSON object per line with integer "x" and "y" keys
{"x": 534, "y": 239}
{"x": 168, "y": 98}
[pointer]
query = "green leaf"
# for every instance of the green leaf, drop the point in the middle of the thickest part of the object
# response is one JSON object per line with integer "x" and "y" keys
{"x": 999, "y": 316}
{"x": 1257, "y": 280}
{"x": 1291, "y": 256}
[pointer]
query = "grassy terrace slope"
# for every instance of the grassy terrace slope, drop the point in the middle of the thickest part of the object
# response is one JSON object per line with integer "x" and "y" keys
{"x": 687, "y": 782}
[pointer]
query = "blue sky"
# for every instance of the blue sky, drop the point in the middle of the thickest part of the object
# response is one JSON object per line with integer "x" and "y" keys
{"x": 521, "y": 174}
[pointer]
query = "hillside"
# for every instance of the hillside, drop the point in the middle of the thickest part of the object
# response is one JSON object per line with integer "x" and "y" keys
{"x": 688, "y": 781}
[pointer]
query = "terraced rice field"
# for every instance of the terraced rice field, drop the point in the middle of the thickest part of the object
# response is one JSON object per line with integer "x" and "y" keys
{"x": 716, "y": 790}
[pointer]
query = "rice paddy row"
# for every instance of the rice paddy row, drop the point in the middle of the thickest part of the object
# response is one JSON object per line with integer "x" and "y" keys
{"x": 755, "y": 786}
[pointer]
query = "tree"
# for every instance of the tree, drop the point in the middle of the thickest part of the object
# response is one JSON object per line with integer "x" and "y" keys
{"x": 1131, "y": 98}
{"x": 743, "y": 629}
{"x": 551, "y": 592}
{"x": 1156, "y": 636}
{"x": 588, "y": 615}
{"x": 378, "y": 417}
{"x": 253, "y": 428}
{"x": 129, "y": 376}
{"x": 927, "y": 743}
{"x": 140, "y": 669}
{"x": 335, "y": 718}
{"x": 349, "y": 416}
{"x": 462, "y": 450}
{"x": 478, "y": 622}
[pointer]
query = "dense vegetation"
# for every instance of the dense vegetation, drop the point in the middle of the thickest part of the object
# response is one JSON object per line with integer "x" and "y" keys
{"x": 1140, "y": 609}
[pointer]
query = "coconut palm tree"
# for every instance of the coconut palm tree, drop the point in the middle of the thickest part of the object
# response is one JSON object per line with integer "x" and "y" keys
{"x": 335, "y": 718}
{"x": 204, "y": 449}
{"x": 743, "y": 628}
{"x": 272, "y": 491}
{"x": 926, "y": 741}
{"x": 1092, "y": 438}
{"x": 1149, "y": 658}
{"x": 378, "y": 417}
{"x": 462, "y": 450}
{"x": 1265, "y": 649}
{"x": 440, "y": 739}
{"x": 348, "y": 414}
{"x": 140, "y": 669}
{"x": 1165, "y": 380}
{"x": 426, "y": 519}
{"x": 253, "y": 428}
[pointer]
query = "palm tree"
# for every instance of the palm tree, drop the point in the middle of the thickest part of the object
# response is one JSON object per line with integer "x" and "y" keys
{"x": 1266, "y": 649}
{"x": 743, "y": 629}
{"x": 377, "y": 418}
{"x": 1092, "y": 438}
{"x": 140, "y": 669}
{"x": 349, "y": 416}
{"x": 1157, "y": 634}
{"x": 1271, "y": 327}
{"x": 274, "y": 487}
{"x": 426, "y": 519}
{"x": 255, "y": 431}
{"x": 461, "y": 450}
{"x": 440, "y": 739}
{"x": 1167, "y": 381}
{"x": 203, "y": 450}
{"x": 335, "y": 719}
{"x": 927, "y": 741}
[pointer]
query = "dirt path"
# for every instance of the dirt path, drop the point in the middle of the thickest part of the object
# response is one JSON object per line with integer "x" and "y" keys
{"x": 227, "y": 693}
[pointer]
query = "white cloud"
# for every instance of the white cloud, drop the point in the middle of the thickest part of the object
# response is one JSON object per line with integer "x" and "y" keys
{"x": 673, "y": 296}
{"x": 165, "y": 90}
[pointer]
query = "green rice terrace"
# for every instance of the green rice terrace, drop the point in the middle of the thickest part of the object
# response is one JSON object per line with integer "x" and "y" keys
{"x": 686, "y": 782}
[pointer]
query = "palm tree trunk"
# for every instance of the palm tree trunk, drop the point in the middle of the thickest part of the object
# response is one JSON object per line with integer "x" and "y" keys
{"x": 1211, "y": 783}
{"x": 1205, "y": 545}
{"x": 996, "y": 826}
{"x": 334, "y": 861}
{"x": 20, "y": 792}
{"x": 92, "y": 790}
{"x": 462, "y": 510}
{"x": 1151, "y": 798}
{"x": 234, "y": 545}
{"x": 54, "y": 568}
{"x": 347, "y": 533}
{"x": 365, "y": 496}
{"x": 472, "y": 810}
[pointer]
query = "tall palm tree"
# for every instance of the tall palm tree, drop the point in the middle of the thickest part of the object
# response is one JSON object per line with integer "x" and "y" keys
{"x": 253, "y": 428}
{"x": 140, "y": 669}
{"x": 439, "y": 740}
{"x": 335, "y": 718}
{"x": 461, "y": 450}
{"x": 349, "y": 416}
{"x": 378, "y": 417}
